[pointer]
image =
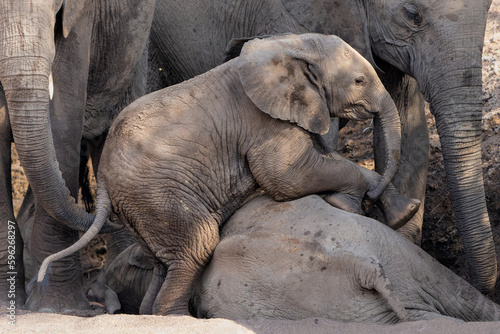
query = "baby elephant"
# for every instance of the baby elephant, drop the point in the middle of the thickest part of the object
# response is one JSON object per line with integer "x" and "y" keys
{"x": 179, "y": 162}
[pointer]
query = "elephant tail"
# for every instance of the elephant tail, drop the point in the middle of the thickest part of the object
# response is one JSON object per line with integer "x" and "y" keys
{"x": 103, "y": 211}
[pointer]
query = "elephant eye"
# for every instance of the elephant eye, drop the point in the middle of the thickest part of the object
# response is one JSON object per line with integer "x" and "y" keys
{"x": 413, "y": 15}
{"x": 360, "y": 80}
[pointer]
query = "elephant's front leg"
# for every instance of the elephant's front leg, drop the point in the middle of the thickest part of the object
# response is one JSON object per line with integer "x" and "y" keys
{"x": 11, "y": 242}
{"x": 292, "y": 168}
{"x": 63, "y": 289}
{"x": 397, "y": 209}
{"x": 411, "y": 177}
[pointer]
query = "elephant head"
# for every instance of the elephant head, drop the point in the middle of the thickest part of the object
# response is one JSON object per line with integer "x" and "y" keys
{"x": 439, "y": 43}
{"x": 28, "y": 32}
{"x": 315, "y": 78}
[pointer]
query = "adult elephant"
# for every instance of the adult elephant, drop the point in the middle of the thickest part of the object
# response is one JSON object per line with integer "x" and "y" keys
{"x": 67, "y": 68}
{"x": 305, "y": 259}
{"x": 437, "y": 43}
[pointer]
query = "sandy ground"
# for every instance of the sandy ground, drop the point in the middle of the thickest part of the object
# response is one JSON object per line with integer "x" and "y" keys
{"x": 440, "y": 239}
{"x": 54, "y": 323}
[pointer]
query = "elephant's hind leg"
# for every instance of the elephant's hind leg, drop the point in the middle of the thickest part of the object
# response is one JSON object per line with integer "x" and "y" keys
{"x": 184, "y": 244}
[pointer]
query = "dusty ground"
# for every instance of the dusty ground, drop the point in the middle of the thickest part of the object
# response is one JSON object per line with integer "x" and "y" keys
{"x": 440, "y": 236}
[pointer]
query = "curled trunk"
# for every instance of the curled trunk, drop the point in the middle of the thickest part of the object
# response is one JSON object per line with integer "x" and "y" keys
{"x": 25, "y": 65}
{"x": 388, "y": 120}
{"x": 27, "y": 96}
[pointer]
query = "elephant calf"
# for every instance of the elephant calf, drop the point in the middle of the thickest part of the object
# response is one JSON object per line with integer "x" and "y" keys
{"x": 313, "y": 260}
{"x": 179, "y": 162}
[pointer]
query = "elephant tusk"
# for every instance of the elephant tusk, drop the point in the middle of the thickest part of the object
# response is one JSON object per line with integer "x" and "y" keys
{"x": 51, "y": 86}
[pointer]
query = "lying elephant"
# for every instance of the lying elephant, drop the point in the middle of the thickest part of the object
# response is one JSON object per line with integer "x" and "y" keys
{"x": 179, "y": 162}
{"x": 304, "y": 258}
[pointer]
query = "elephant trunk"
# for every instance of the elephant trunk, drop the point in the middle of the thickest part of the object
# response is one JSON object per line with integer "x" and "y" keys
{"x": 388, "y": 119}
{"x": 460, "y": 136}
{"x": 457, "y": 108}
{"x": 25, "y": 62}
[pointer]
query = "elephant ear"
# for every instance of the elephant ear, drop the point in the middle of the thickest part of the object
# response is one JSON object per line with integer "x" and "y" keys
{"x": 72, "y": 9}
{"x": 235, "y": 45}
{"x": 346, "y": 19}
{"x": 276, "y": 76}
{"x": 137, "y": 257}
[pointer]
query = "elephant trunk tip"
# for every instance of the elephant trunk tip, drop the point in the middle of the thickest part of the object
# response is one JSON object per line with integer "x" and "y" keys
{"x": 375, "y": 193}
{"x": 389, "y": 172}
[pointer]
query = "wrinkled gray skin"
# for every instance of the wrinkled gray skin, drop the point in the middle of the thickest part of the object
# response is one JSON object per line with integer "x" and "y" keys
{"x": 304, "y": 258}
{"x": 95, "y": 52}
{"x": 178, "y": 162}
{"x": 439, "y": 43}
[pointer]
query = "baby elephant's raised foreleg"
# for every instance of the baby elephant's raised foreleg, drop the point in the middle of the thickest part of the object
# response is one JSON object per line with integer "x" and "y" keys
{"x": 290, "y": 167}
{"x": 397, "y": 209}
{"x": 293, "y": 169}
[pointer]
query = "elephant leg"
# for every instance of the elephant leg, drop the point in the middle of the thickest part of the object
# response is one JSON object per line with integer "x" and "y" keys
{"x": 159, "y": 273}
{"x": 183, "y": 272}
{"x": 11, "y": 243}
{"x": 25, "y": 218}
{"x": 397, "y": 209}
{"x": 411, "y": 177}
{"x": 63, "y": 288}
{"x": 187, "y": 242}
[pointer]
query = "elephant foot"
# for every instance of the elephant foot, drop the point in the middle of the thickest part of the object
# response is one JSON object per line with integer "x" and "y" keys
{"x": 344, "y": 202}
{"x": 172, "y": 312}
{"x": 413, "y": 229}
{"x": 49, "y": 299}
{"x": 397, "y": 209}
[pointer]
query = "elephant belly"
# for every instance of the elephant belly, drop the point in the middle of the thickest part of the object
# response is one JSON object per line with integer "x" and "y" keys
{"x": 252, "y": 277}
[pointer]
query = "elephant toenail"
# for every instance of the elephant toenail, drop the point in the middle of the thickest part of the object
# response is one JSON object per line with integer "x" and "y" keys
{"x": 46, "y": 310}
